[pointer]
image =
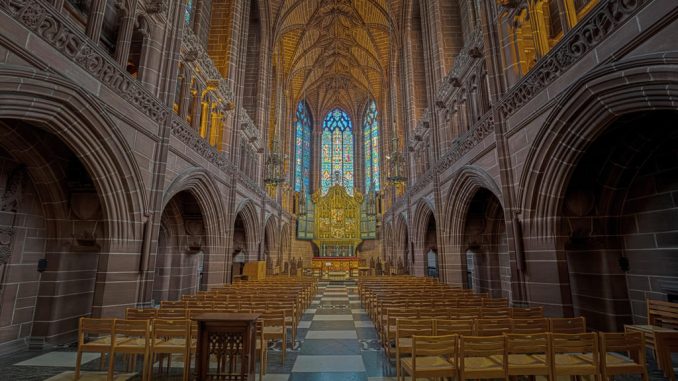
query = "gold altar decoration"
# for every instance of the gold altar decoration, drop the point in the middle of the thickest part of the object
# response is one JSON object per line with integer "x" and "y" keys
{"x": 337, "y": 221}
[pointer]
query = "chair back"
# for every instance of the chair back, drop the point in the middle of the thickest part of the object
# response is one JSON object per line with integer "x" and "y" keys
{"x": 171, "y": 313}
{"x": 406, "y": 328}
{"x": 567, "y": 325}
{"x": 440, "y": 345}
{"x": 140, "y": 313}
{"x": 529, "y": 325}
{"x": 530, "y": 343}
{"x": 527, "y": 312}
{"x": 94, "y": 327}
{"x": 464, "y": 327}
{"x": 171, "y": 329}
{"x": 132, "y": 328}
{"x": 575, "y": 343}
{"x": 468, "y": 313}
{"x": 495, "y": 312}
{"x": 492, "y": 327}
{"x": 495, "y": 302}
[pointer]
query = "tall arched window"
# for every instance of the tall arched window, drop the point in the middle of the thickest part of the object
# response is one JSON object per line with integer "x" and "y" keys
{"x": 371, "y": 144}
{"x": 337, "y": 150}
{"x": 188, "y": 12}
{"x": 302, "y": 155}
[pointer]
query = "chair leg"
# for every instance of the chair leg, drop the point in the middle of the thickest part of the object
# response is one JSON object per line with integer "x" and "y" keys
{"x": 284, "y": 349}
{"x": 78, "y": 358}
{"x": 111, "y": 365}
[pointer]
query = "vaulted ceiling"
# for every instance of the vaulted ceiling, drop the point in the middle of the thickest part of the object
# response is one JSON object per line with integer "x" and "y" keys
{"x": 334, "y": 52}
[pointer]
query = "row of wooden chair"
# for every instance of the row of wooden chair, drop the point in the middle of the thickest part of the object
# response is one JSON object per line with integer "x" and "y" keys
{"x": 541, "y": 354}
{"x": 153, "y": 337}
{"x": 386, "y": 323}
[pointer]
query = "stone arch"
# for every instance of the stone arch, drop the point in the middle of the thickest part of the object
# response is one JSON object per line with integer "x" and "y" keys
{"x": 584, "y": 233}
{"x": 84, "y": 228}
{"x": 401, "y": 241}
{"x": 72, "y": 115}
{"x": 286, "y": 243}
{"x": 480, "y": 259}
{"x": 591, "y": 105}
{"x": 200, "y": 185}
{"x": 270, "y": 243}
{"x": 424, "y": 238}
{"x": 248, "y": 213}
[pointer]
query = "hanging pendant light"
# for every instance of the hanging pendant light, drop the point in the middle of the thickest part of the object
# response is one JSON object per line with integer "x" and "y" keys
{"x": 396, "y": 160}
{"x": 274, "y": 166}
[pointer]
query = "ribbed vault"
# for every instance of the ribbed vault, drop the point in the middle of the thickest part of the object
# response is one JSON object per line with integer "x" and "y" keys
{"x": 334, "y": 52}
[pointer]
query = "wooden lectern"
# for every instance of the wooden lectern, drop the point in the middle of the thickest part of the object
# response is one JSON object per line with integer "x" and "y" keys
{"x": 229, "y": 340}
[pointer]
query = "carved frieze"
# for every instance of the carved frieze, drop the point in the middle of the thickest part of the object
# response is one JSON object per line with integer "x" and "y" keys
{"x": 603, "y": 20}
{"x": 53, "y": 27}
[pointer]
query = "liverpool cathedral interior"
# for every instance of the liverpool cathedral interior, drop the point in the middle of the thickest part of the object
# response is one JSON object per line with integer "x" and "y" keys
{"x": 321, "y": 190}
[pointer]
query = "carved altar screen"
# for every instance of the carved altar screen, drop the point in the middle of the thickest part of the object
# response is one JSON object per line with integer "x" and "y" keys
{"x": 337, "y": 222}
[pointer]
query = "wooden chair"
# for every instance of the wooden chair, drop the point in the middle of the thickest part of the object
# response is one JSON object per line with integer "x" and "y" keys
{"x": 463, "y": 327}
{"x": 102, "y": 341}
{"x": 527, "y": 312}
{"x": 170, "y": 337}
{"x": 529, "y": 355}
{"x": 432, "y": 356}
{"x": 666, "y": 343}
{"x": 482, "y": 357}
{"x": 262, "y": 349}
{"x": 525, "y": 326}
{"x": 613, "y": 363}
{"x": 133, "y": 337}
{"x": 274, "y": 329}
{"x": 492, "y": 327}
{"x": 567, "y": 325}
{"x": 575, "y": 354}
{"x": 405, "y": 329}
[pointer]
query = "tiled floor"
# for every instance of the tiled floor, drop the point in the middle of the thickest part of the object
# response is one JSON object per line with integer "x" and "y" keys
{"x": 335, "y": 341}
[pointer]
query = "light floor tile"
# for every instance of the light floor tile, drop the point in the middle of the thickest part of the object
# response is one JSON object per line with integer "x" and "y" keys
{"x": 332, "y": 299}
{"x": 304, "y": 324}
{"x": 381, "y": 379}
{"x": 363, "y": 324}
{"x": 331, "y": 335}
{"x": 354, "y": 302}
{"x": 359, "y": 311}
{"x": 333, "y": 317}
{"x": 348, "y": 363}
{"x": 310, "y": 311}
{"x": 90, "y": 376}
{"x": 61, "y": 359}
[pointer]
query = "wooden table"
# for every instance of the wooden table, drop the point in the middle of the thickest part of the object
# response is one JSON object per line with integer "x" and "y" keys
{"x": 230, "y": 339}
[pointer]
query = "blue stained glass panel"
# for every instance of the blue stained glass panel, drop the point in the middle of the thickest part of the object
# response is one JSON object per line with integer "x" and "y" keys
{"x": 371, "y": 145}
{"x": 188, "y": 12}
{"x": 337, "y": 150}
{"x": 302, "y": 149}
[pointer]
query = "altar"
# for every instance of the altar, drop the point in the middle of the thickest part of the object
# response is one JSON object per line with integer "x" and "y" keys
{"x": 335, "y": 268}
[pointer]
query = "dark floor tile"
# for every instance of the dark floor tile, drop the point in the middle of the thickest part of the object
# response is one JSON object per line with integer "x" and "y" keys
{"x": 376, "y": 364}
{"x": 366, "y": 333}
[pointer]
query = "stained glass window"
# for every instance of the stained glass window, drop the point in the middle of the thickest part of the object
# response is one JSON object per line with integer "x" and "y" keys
{"x": 302, "y": 164}
{"x": 188, "y": 13}
{"x": 371, "y": 146}
{"x": 337, "y": 150}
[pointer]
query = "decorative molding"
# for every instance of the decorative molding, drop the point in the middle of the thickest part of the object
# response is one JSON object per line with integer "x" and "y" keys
{"x": 600, "y": 22}
{"x": 462, "y": 145}
{"x": 55, "y": 29}
{"x": 156, "y": 6}
{"x": 187, "y": 135}
{"x": 195, "y": 54}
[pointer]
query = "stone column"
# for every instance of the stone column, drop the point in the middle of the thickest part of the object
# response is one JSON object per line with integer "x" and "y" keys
{"x": 96, "y": 19}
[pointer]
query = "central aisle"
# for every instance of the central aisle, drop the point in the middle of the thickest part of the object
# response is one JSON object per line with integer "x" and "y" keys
{"x": 335, "y": 341}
